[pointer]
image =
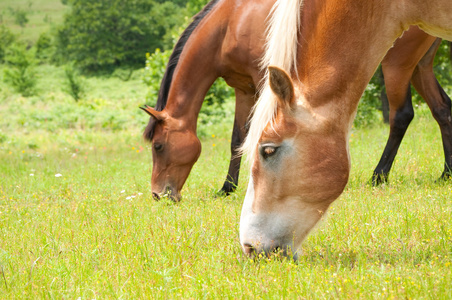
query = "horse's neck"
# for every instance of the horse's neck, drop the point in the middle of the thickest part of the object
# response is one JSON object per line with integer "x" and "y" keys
{"x": 341, "y": 45}
{"x": 196, "y": 71}
{"x": 192, "y": 79}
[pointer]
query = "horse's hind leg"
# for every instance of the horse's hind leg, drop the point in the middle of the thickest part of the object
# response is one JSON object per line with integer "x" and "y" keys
{"x": 243, "y": 105}
{"x": 398, "y": 67}
{"x": 400, "y": 116}
{"x": 425, "y": 82}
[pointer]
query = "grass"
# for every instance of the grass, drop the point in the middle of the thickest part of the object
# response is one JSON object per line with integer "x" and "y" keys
{"x": 95, "y": 231}
{"x": 77, "y": 219}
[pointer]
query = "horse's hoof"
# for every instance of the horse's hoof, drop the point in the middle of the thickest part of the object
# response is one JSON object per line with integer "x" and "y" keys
{"x": 379, "y": 179}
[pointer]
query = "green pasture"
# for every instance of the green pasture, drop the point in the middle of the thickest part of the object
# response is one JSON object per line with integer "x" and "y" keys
{"x": 77, "y": 219}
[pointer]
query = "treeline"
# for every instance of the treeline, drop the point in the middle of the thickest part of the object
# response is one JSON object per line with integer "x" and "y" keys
{"x": 96, "y": 38}
{"x": 103, "y": 35}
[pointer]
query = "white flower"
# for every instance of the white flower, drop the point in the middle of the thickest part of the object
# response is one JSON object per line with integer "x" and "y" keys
{"x": 139, "y": 194}
{"x": 123, "y": 191}
{"x": 32, "y": 174}
{"x": 58, "y": 175}
{"x": 128, "y": 198}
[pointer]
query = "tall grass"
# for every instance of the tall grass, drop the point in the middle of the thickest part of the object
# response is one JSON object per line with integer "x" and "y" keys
{"x": 95, "y": 232}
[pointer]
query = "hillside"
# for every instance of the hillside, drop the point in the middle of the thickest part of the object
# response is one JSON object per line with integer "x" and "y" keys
{"x": 41, "y": 15}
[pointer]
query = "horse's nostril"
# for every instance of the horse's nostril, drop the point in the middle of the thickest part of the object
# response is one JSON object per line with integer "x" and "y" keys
{"x": 155, "y": 196}
{"x": 248, "y": 249}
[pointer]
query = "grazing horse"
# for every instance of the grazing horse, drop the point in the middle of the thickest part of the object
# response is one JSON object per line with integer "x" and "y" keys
{"x": 206, "y": 51}
{"x": 225, "y": 40}
{"x": 321, "y": 55}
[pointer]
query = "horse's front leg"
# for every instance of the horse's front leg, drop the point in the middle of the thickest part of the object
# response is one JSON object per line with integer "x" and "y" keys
{"x": 244, "y": 103}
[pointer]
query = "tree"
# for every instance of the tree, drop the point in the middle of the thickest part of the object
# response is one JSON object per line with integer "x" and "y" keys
{"x": 106, "y": 34}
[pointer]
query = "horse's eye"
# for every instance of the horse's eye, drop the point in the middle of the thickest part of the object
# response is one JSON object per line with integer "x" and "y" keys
{"x": 158, "y": 147}
{"x": 268, "y": 150}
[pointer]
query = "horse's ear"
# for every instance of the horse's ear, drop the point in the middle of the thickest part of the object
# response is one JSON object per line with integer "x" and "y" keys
{"x": 282, "y": 86}
{"x": 157, "y": 115}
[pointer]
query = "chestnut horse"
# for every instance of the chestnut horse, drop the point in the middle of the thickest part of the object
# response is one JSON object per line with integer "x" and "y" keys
{"x": 205, "y": 46}
{"x": 321, "y": 55}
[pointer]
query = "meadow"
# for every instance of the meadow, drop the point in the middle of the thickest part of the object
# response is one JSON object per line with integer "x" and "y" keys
{"x": 77, "y": 219}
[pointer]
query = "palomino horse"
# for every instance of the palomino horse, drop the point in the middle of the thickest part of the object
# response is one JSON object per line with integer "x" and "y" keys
{"x": 325, "y": 51}
{"x": 234, "y": 55}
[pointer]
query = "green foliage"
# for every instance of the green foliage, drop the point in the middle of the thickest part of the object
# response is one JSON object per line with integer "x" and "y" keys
{"x": 108, "y": 104}
{"x": 75, "y": 85}
{"x": 20, "y": 72}
{"x": 106, "y": 34}
{"x": 369, "y": 107}
{"x": 6, "y": 38}
{"x": 44, "y": 47}
{"x": 153, "y": 73}
{"x": 443, "y": 64}
{"x": 194, "y": 6}
{"x": 20, "y": 16}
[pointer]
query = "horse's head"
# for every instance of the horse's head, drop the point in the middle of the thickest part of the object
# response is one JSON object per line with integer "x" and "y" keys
{"x": 299, "y": 166}
{"x": 175, "y": 149}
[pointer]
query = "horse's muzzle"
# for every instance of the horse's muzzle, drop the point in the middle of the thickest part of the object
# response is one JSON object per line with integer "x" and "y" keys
{"x": 167, "y": 193}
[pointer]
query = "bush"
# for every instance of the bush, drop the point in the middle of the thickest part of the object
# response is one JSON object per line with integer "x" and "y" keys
{"x": 153, "y": 73}
{"x": 44, "y": 47}
{"x": 368, "y": 112}
{"x": 6, "y": 38}
{"x": 75, "y": 85}
{"x": 20, "y": 17}
{"x": 20, "y": 73}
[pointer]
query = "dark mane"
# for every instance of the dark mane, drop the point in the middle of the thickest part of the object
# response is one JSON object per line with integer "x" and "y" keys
{"x": 172, "y": 63}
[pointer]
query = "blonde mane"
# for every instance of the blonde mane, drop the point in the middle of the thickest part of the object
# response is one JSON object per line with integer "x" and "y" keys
{"x": 280, "y": 51}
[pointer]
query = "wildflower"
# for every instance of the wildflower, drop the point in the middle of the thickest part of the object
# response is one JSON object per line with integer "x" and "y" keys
{"x": 123, "y": 191}
{"x": 58, "y": 175}
{"x": 32, "y": 174}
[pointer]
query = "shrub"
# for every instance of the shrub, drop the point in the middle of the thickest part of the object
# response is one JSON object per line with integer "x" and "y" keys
{"x": 20, "y": 73}
{"x": 153, "y": 73}
{"x": 6, "y": 38}
{"x": 44, "y": 47}
{"x": 20, "y": 17}
{"x": 75, "y": 85}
